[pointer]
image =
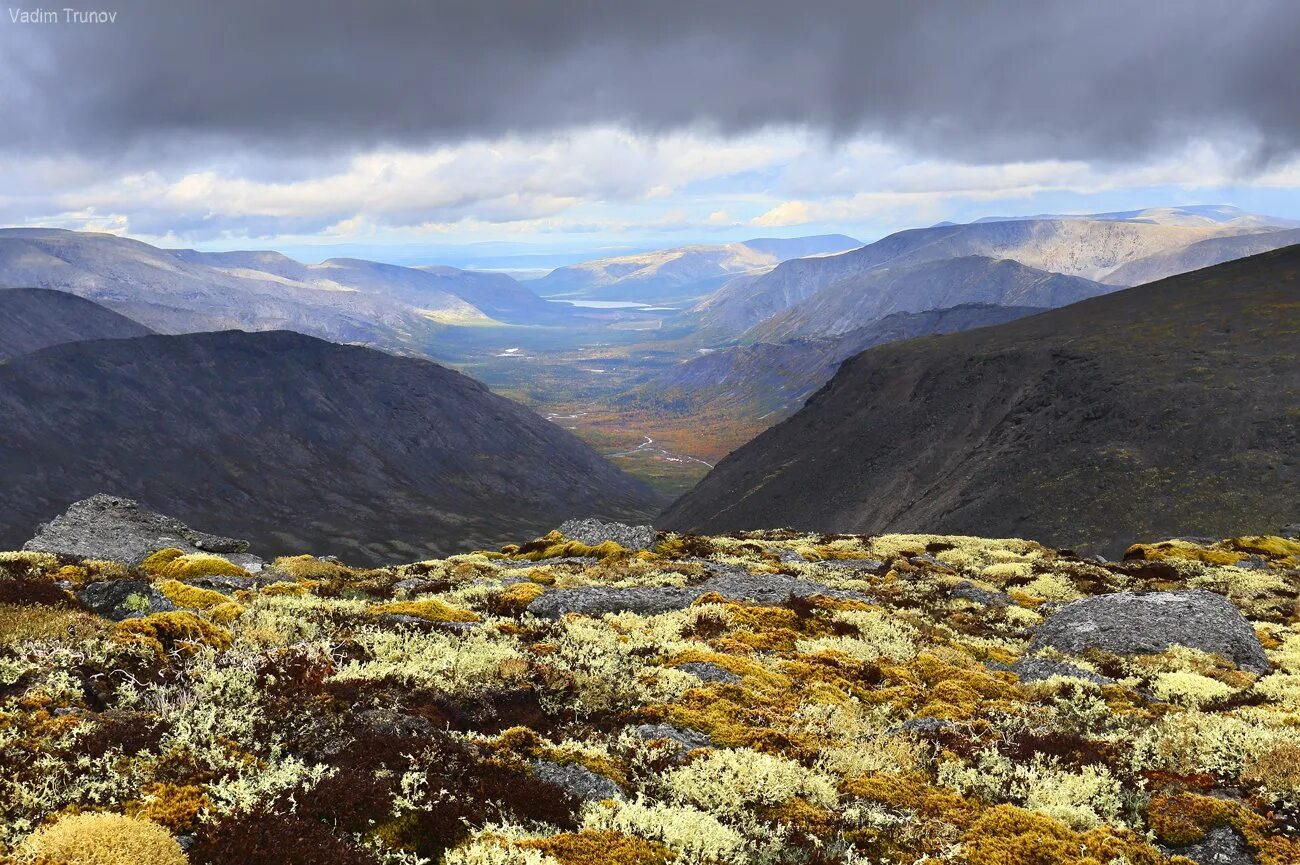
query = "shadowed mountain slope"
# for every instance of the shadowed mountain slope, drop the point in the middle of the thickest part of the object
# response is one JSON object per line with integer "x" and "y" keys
{"x": 1170, "y": 408}
{"x": 858, "y": 301}
{"x": 772, "y": 380}
{"x": 293, "y": 443}
{"x": 35, "y": 318}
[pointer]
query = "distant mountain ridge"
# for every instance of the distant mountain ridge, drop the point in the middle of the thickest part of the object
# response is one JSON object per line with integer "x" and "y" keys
{"x": 671, "y": 274}
{"x": 177, "y": 291}
{"x": 858, "y": 301}
{"x": 35, "y": 318}
{"x": 1165, "y": 409}
{"x": 294, "y": 443}
{"x": 1090, "y": 247}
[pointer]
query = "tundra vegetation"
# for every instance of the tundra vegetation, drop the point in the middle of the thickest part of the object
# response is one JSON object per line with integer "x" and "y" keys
{"x": 885, "y": 712}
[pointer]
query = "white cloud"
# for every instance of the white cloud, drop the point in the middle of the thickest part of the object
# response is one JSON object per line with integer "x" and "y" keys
{"x": 593, "y": 181}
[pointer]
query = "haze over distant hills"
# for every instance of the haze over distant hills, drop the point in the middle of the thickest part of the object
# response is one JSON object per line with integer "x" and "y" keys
{"x": 667, "y": 275}
{"x": 1161, "y": 410}
{"x": 294, "y": 443}
{"x": 36, "y": 318}
{"x": 342, "y": 300}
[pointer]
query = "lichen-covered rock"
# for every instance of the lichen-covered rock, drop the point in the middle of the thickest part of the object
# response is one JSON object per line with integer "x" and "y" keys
{"x": 578, "y": 781}
{"x": 124, "y": 599}
{"x": 119, "y": 529}
{"x": 1221, "y": 846}
{"x": 968, "y": 591}
{"x": 730, "y": 582}
{"x": 1129, "y": 623}
{"x": 1039, "y": 669}
{"x": 684, "y": 740}
{"x": 594, "y": 532}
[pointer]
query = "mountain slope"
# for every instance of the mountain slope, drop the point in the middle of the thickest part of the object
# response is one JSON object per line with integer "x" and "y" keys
{"x": 769, "y": 381}
{"x": 857, "y": 301}
{"x": 1076, "y": 246}
{"x": 339, "y": 448}
{"x": 1166, "y": 409}
{"x": 35, "y": 318}
{"x": 666, "y": 275}
{"x": 1206, "y": 253}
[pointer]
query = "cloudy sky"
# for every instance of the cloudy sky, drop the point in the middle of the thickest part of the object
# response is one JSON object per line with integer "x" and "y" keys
{"x": 427, "y": 124}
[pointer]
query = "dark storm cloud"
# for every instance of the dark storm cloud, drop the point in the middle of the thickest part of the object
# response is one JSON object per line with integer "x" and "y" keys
{"x": 976, "y": 80}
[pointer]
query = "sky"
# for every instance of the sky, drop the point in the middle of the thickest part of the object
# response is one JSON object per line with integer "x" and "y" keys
{"x": 426, "y": 130}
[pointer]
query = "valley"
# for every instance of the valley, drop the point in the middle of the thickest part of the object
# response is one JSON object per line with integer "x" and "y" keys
{"x": 697, "y": 349}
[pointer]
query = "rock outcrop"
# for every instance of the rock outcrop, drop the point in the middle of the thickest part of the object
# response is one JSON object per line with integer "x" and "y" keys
{"x": 119, "y": 529}
{"x": 1129, "y": 623}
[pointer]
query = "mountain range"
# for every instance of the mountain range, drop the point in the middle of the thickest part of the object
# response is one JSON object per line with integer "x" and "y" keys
{"x": 294, "y": 443}
{"x": 859, "y": 301}
{"x": 1091, "y": 247}
{"x": 343, "y": 300}
{"x": 1170, "y": 408}
{"x": 671, "y": 275}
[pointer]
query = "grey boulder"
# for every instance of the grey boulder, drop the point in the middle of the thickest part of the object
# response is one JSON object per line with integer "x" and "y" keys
{"x": 1129, "y": 623}
{"x": 594, "y": 532}
{"x": 110, "y": 527}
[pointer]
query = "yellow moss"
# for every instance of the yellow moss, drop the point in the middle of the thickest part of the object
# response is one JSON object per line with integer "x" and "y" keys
{"x": 516, "y": 598}
{"x": 1006, "y": 835}
{"x": 1181, "y": 550}
{"x": 1000, "y": 573}
{"x": 20, "y": 623}
{"x": 432, "y": 609}
{"x": 564, "y": 548}
{"x": 104, "y": 839}
{"x": 1184, "y": 818}
{"x": 191, "y": 597}
{"x": 164, "y": 631}
{"x": 1267, "y": 545}
{"x": 224, "y": 614}
{"x": 178, "y": 565}
{"x": 155, "y": 562}
{"x": 310, "y": 568}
